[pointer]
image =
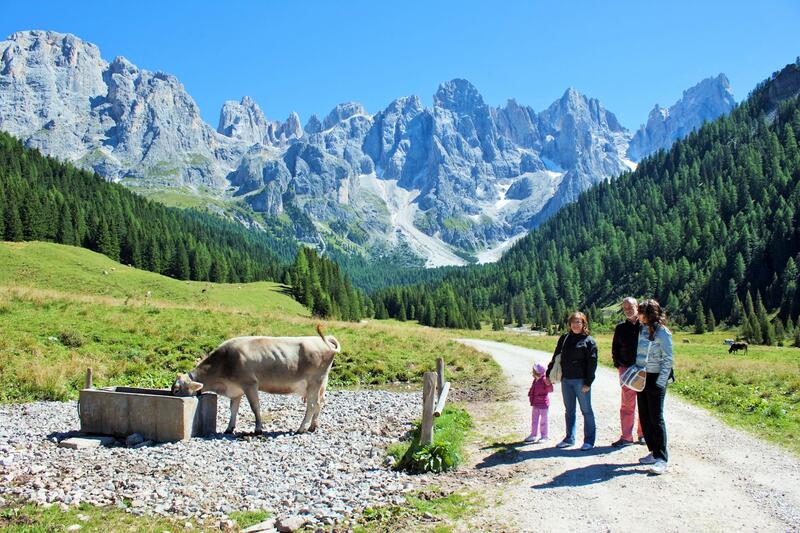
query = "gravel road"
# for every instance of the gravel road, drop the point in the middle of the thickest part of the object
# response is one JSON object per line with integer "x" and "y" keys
{"x": 719, "y": 478}
{"x": 322, "y": 476}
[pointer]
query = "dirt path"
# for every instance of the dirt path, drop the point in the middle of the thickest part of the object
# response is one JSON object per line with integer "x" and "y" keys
{"x": 719, "y": 478}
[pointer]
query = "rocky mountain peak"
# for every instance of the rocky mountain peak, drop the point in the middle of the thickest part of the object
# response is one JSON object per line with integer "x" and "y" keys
{"x": 705, "y": 101}
{"x": 458, "y": 95}
{"x": 783, "y": 84}
{"x": 293, "y": 126}
{"x": 243, "y": 120}
{"x": 575, "y": 106}
{"x": 282, "y": 132}
{"x": 342, "y": 112}
{"x": 313, "y": 125}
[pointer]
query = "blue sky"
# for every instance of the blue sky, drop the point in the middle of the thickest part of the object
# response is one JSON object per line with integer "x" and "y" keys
{"x": 307, "y": 56}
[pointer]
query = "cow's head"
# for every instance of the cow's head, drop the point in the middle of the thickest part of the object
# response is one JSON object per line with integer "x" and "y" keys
{"x": 185, "y": 386}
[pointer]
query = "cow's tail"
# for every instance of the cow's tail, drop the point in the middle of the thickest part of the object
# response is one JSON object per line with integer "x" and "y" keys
{"x": 330, "y": 340}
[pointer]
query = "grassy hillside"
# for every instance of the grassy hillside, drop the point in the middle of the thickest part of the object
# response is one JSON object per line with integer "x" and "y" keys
{"x": 759, "y": 391}
{"x": 60, "y": 268}
{"x": 63, "y": 309}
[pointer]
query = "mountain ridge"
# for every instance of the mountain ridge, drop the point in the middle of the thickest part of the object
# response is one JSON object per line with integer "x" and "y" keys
{"x": 453, "y": 161}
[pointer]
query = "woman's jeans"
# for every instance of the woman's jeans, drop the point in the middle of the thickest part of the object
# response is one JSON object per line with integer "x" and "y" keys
{"x": 571, "y": 391}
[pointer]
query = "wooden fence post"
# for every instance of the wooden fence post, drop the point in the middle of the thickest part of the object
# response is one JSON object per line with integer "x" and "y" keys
{"x": 88, "y": 379}
{"x": 428, "y": 399}
{"x": 439, "y": 376}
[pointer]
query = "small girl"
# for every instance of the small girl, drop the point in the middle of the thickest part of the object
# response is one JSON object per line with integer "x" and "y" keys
{"x": 540, "y": 402}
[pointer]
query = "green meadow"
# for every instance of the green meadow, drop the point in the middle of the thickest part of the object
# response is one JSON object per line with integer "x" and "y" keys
{"x": 64, "y": 309}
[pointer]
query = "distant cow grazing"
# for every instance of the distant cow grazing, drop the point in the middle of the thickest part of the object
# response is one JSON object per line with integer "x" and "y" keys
{"x": 242, "y": 366}
{"x": 736, "y": 346}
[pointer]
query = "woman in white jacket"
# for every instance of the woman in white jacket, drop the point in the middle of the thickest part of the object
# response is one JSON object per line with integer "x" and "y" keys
{"x": 654, "y": 352}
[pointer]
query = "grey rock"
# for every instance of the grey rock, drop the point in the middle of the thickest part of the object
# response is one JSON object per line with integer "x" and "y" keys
{"x": 134, "y": 440}
{"x": 266, "y": 525}
{"x": 291, "y": 523}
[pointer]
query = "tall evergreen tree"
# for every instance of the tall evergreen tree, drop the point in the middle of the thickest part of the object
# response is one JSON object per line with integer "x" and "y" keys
{"x": 700, "y": 319}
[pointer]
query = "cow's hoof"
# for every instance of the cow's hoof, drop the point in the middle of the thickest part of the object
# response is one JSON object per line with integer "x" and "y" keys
{"x": 300, "y": 430}
{"x": 312, "y": 428}
{"x": 258, "y": 431}
{"x": 229, "y": 431}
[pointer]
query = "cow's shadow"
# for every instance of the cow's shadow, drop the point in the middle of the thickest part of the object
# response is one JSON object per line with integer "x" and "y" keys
{"x": 251, "y": 435}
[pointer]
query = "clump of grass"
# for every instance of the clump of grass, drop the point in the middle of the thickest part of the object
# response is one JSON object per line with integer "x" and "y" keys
{"x": 429, "y": 502}
{"x": 446, "y": 450}
{"x": 16, "y": 516}
{"x": 455, "y": 505}
{"x": 245, "y": 519}
{"x": 70, "y": 339}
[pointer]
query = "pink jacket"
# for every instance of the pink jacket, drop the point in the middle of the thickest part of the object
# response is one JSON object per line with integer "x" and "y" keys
{"x": 538, "y": 393}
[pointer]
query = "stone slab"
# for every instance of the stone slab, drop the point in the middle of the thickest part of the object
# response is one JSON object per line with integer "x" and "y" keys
{"x": 266, "y": 525}
{"x": 80, "y": 443}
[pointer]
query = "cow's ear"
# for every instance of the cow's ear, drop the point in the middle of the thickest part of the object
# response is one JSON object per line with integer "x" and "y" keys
{"x": 195, "y": 387}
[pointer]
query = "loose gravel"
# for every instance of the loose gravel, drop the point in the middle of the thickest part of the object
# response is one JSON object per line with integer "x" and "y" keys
{"x": 323, "y": 476}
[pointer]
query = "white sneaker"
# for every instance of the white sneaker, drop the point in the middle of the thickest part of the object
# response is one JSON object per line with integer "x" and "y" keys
{"x": 530, "y": 439}
{"x": 659, "y": 467}
{"x": 586, "y": 446}
{"x": 648, "y": 459}
{"x": 564, "y": 444}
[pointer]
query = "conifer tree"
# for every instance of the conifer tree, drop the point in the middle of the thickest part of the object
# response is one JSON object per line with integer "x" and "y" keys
{"x": 780, "y": 332}
{"x": 700, "y": 319}
{"x": 737, "y": 312}
{"x": 711, "y": 322}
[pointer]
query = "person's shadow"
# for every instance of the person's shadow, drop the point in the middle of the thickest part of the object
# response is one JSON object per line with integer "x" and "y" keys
{"x": 509, "y": 453}
{"x": 591, "y": 474}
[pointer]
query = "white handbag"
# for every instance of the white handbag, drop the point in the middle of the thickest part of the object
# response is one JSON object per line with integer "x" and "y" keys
{"x": 555, "y": 373}
{"x": 634, "y": 377}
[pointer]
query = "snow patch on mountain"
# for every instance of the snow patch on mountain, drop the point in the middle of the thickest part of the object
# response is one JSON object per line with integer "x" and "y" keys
{"x": 402, "y": 211}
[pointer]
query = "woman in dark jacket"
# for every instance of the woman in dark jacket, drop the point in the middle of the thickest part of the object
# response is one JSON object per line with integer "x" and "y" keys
{"x": 578, "y": 364}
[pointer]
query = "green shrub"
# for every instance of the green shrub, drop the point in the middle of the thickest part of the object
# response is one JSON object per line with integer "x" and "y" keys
{"x": 446, "y": 451}
{"x": 70, "y": 339}
{"x": 434, "y": 458}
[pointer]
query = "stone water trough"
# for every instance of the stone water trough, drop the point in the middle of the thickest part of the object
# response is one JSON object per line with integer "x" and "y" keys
{"x": 155, "y": 414}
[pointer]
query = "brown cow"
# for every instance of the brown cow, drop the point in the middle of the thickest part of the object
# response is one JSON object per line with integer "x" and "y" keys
{"x": 242, "y": 366}
{"x": 736, "y": 346}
